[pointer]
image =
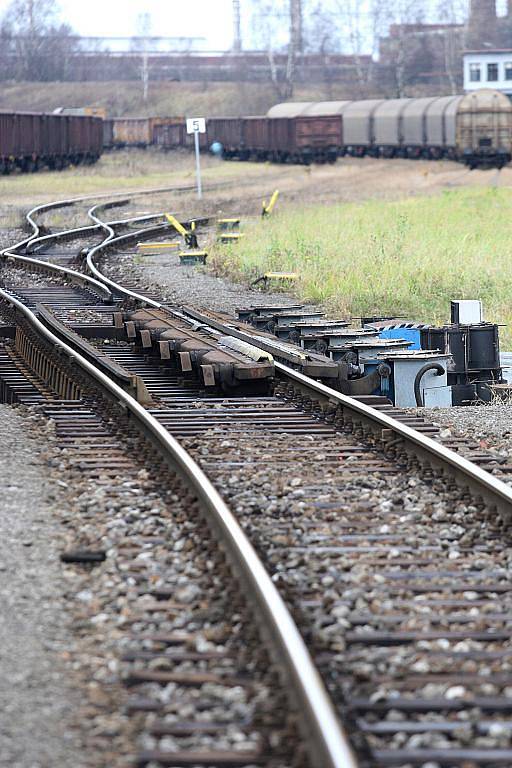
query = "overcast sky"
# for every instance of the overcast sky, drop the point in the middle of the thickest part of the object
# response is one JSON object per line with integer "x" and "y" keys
{"x": 171, "y": 18}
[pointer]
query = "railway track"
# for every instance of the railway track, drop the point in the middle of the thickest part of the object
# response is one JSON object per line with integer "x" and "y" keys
{"x": 389, "y": 549}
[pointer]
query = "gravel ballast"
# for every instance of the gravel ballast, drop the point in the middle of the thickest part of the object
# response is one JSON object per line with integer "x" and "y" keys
{"x": 491, "y": 425}
{"x": 36, "y": 695}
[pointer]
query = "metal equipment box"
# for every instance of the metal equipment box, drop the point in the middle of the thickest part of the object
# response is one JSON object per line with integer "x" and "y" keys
{"x": 406, "y": 366}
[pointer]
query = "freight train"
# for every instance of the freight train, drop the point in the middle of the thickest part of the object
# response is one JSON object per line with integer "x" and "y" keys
{"x": 475, "y": 129}
{"x": 31, "y": 140}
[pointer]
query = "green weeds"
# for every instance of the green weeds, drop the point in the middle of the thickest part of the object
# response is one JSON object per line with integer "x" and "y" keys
{"x": 405, "y": 258}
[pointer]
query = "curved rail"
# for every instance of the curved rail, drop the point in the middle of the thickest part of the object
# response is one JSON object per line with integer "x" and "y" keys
{"x": 327, "y": 743}
{"x": 331, "y": 746}
{"x": 77, "y": 278}
{"x": 110, "y": 237}
{"x": 85, "y": 281}
{"x": 496, "y": 492}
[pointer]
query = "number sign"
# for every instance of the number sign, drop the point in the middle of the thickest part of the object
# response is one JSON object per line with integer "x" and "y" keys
{"x": 196, "y": 125}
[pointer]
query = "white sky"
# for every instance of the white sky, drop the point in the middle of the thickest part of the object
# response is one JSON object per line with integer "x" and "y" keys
{"x": 171, "y": 18}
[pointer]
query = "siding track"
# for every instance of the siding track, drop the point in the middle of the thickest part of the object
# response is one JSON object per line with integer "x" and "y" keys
{"x": 389, "y": 548}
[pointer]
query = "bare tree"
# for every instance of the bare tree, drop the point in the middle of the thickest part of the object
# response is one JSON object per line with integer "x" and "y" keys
{"x": 141, "y": 43}
{"x": 322, "y": 32}
{"x": 40, "y": 44}
{"x": 237, "y": 27}
{"x": 454, "y": 12}
{"x": 352, "y": 16}
{"x": 295, "y": 45}
{"x": 402, "y": 44}
{"x": 269, "y": 24}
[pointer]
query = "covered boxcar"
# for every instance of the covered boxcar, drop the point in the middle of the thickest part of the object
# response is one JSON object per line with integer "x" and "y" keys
{"x": 359, "y": 126}
{"x": 305, "y": 139}
{"x": 313, "y": 132}
{"x": 255, "y": 138}
{"x": 414, "y": 126}
{"x": 475, "y": 129}
{"x": 484, "y": 127}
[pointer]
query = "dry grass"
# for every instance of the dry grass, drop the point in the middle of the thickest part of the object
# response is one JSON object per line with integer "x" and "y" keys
{"x": 165, "y": 98}
{"x": 115, "y": 172}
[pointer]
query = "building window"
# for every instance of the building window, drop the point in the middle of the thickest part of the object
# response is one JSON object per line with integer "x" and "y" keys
{"x": 474, "y": 73}
{"x": 492, "y": 73}
{"x": 508, "y": 70}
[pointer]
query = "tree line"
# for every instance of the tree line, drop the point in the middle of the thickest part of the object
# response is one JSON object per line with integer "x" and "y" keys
{"x": 37, "y": 45}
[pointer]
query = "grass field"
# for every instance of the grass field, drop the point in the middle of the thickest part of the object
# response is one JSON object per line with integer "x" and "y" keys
{"x": 128, "y": 169}
{"x": 409, "y": 257}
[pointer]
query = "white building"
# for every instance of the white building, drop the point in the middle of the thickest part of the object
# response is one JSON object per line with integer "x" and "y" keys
{"x": 488, "y": 68}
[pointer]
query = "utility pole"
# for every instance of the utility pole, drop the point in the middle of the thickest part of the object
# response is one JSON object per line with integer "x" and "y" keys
{"x": 237, "y": 27}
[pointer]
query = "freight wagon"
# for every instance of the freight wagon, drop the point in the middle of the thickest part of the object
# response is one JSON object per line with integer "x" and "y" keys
{"x": 165, "y": 132}
{"x": 132, "y": 132}
{"x": 301, "y": 139}
{"x": 169, "y": 134}
{"x": 29, "y": 141}
{"x": 474, "y": 129}
{"x": 108, "y": 133}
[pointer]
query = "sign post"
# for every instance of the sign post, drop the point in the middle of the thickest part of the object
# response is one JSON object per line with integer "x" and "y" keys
{"x": 197, "y": 125}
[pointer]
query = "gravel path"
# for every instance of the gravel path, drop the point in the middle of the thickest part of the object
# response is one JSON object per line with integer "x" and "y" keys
{"x": 35, "y": 696}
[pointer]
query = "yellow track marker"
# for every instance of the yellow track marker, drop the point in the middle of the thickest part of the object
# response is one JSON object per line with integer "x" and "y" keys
{"x": 224, "y": 224}
{"x": 176, "y": 224}
{"x": 193, "y": 256}
{"x": 274, "y": 276}
{"x": 156, "y": 246}
{"x": 280, "y": 276}
{"x": 228, "y": 236}
{"x": 267, "y": 209}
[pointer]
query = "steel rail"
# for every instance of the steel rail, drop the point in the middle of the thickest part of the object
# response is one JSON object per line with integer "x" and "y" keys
{"x": 124, "y": 196}
{"x": 497, "y": 492}
{"x": 109, "y": 240}
{"x": 85, "y": 281}
{"x": 327, "y": 743}
{"x": 494, "y": 490}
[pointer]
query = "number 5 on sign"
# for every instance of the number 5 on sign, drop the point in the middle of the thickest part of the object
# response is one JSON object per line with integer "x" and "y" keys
{"x": 197, "y": 125}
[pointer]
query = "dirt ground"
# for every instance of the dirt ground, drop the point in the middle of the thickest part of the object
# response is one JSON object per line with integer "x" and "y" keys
{"x": 233, "y": 187}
